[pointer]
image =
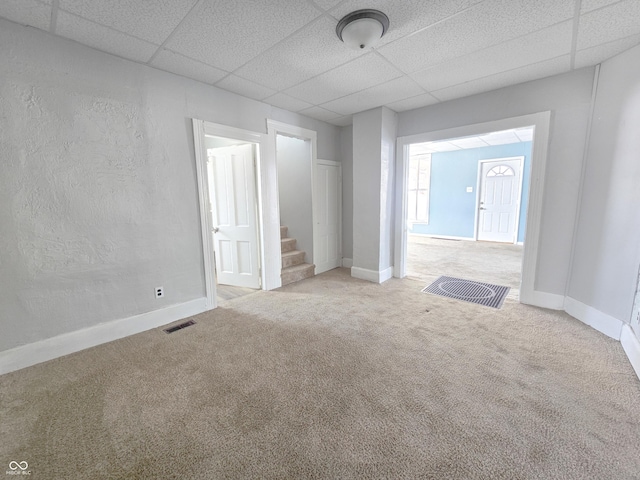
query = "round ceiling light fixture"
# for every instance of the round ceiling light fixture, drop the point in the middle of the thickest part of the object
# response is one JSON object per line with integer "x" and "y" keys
{"x": 363, "y": 28}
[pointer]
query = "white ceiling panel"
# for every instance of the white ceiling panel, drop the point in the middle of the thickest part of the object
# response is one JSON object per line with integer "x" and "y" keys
{"x": 26, "y": 12}
{"x": 501, "y": 138}
{"x": 483, "y": 25}
{"x": 608, "y": 24}
{"x": 150, "y": 21}
{"x": 103, "y": 38}
{"x": 413, "y": 102}
{"x": 589, "y": 5}
{"x": 343, "y": 121}
{"x": 320, "y": 113}
{"x": 228, "y": 34}
{"x": 542, "y": 45}
{"x": 290, "y": 62}
{"x": 360, "y": 74}
{"x": 524, "y": 134}
{"x": 531, "y": 72}
{"x": 326, "y": 4}
{"x": 286, "y": 102}
{"x": 444, "y": 147}
{"x": 407, "y": 16}
{"x": 181, "y": 65}
{"x": 469, "y": 142}
{"x": 243, "y": 87}
{"x": 598, "y": 54}
{"x": 392, "y": 91}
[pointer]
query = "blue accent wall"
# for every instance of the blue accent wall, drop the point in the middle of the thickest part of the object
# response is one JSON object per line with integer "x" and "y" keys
{"x": 451, "y": 209}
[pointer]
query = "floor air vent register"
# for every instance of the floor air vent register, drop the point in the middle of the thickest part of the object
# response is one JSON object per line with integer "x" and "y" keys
{"x": 479, "y": 293}
{"x": 180, "y": 326}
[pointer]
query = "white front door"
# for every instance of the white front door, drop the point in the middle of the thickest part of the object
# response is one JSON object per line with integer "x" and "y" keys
{"x": 328, "y": 231}
{"x": 232, "y": 182}
{"x": 498, "y": 209}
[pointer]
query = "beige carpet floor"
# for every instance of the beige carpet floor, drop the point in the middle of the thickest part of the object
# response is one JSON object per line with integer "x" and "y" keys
{"x": 335, "y": 377}
{"x": 488, "y": 262}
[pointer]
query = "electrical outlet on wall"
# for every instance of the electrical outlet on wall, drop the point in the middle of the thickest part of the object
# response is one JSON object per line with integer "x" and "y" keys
{"x": 159, "y": 292}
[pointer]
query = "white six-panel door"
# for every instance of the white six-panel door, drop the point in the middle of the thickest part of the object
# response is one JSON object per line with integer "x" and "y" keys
{"x": 232, "y": 182}
{"x": 328, "y": 228}
{"x": 498, "y": 208}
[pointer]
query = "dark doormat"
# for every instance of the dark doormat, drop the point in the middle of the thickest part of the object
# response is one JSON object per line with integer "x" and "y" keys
{"x": 485, "y": 294}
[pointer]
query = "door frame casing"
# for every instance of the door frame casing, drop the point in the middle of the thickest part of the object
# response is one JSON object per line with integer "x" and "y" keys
{"x": 201, "y": 128}
{"x": 541, "y": 121}
{"x": 520, "y": 159}
{"x": 331, "y": 163}
{"x": 273, "y": 129}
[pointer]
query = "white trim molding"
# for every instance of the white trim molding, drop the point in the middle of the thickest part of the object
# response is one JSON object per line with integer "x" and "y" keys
{"x": 631, "y": 346}
{"x": 610, "y": 326}
{"x": 372, "y": 275}
{"x": 551, "y": 301}
{"x": 50, "y": 348}
{"x": 347, "y": 262}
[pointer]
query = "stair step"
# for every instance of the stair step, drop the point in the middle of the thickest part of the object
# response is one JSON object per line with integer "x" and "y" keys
{"x": 283, "y": 231}
{"x": 287, "y": 244}
{"x": 292, "y": 258}
{"x": 297, "y": 273}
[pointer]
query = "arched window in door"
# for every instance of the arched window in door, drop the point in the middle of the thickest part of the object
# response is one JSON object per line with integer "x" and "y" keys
{"x": 501, "y": 171}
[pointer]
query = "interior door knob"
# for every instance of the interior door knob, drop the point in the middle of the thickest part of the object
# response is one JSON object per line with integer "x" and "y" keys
{"x": 215, "y": 229}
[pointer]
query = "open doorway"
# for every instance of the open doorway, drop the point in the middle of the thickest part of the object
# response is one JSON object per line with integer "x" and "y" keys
{"x": 533, "y": 214}
{"x": 467, "y": 201}
{"x": 228, "y": 162}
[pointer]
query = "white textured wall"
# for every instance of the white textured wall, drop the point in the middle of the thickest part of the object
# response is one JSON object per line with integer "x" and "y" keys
{"x": 98, "y": 201}
{"x": 294, "y": 190}
{"x": 346, "y": 152}
{"x": 568, "y": 97}
{"x": 366, "y": 189}
{"x": 607, "y": 249}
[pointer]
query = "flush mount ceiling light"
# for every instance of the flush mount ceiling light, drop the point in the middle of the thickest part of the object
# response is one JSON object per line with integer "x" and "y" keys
{"x": 363, "y": 28}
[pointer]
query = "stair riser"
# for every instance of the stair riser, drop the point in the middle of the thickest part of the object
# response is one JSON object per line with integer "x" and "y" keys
{"x": 283, "y": 232}
{"x": 291, "y": 277}
{"x": 287, "y": 244}
{"x": 292, "y": 260}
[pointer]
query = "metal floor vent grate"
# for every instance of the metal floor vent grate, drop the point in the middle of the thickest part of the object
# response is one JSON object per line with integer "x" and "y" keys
{"x": 175, "y": 328}
{"x": 479, "y": 293}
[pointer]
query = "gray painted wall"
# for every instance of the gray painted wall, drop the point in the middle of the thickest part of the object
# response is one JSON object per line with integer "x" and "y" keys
{"x": 568, "y": 97}
{"x": 605, "y": 268}
{"x": 294, "y": 190}
{"x": 389, "y": 133}
{"x": 98, "y": 195}
{"x": 346, "y": 151}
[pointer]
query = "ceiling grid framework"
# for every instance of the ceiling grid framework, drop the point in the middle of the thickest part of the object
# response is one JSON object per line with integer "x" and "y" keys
{"x": 286, "y": 52}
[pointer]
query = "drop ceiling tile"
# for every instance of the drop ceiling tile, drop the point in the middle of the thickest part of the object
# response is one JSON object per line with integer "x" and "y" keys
{"x": 360, "y": 74}
{"x": 542, "y": 45}
{"x": 524, "y": 134}
{"x": 392, "y": 91}
{"x": 150, "y": 21}
{"x": 326, "y": 4}
{"x": 520, "y": 75}
{"x": 281, "y": 100}
{"x": 483, "y": 25}
{"x": 444, "y": 146}
{"x": 501, "y": 138}
{"x": 181, "y": 65}
{"x": 469, "y": 142}
{"x": 608, "y": 24}
{"x": 26, "y": 12}
{"x": 228, "y": 34}
{"x": 410, "y": 103}
{"x": 245, "y": 88}
{"x": 320, "y": 113}
{"x": 309, "y": 52}
{"x": 589, "y": 5}
{"x": 600, "y": 53}
{"x": 407, "y": 16}
{"x": 103, "y": 38}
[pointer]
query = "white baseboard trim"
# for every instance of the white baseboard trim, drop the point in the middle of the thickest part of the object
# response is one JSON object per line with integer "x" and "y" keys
{"x": 610, "y": 326}
{"x": 347, "y": 262}
{"x": 537, "y": 298}
{"x": 444, "y": 237}
{"x": 372, "y": 275}
{"x": 631, "y": 346}
{"x": 50, "y": 348}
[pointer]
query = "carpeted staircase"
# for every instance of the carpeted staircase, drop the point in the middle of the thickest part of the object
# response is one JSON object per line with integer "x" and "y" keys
{"x": 293, "y": 267}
